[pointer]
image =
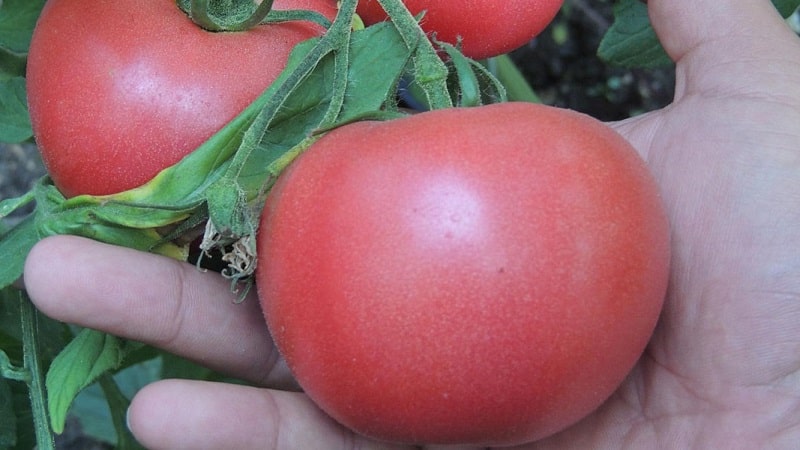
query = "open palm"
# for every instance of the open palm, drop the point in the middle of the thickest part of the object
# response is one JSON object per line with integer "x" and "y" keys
{"x": 722, "y": 368}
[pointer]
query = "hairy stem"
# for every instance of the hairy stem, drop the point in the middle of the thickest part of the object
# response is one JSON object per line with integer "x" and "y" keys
{"x": 32, "y": 361}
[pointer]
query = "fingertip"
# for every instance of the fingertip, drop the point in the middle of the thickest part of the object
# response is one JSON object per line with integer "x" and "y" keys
{"x": 44, "y": 272}
{"x": 682, "y": 25}
{"x": 147, "y": 423}
{"x": 185, "y": 414}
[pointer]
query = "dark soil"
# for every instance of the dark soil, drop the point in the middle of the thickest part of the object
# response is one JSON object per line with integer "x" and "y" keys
{"x": 562, "y": 66}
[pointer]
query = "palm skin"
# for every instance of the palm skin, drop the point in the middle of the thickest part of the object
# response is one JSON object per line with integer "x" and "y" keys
{"x": 722, "y": 368}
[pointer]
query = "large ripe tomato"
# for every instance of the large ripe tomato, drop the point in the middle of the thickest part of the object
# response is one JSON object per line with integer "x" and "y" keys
{"x": 487, "y": 27}
{"x": 485, "y": 275}
{"x": 120, "y": 89}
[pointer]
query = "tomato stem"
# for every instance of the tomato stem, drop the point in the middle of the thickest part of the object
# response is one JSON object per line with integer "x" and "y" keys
{"x": 32, "y": 361}
{"x": 430, "y": 72}
{"x": 238, "y": 17}
{"x": 243, "y": 16}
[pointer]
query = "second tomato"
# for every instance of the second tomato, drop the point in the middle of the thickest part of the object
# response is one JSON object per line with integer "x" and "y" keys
{"x": 120, "y": 89}
{"x": 486, "y": 27}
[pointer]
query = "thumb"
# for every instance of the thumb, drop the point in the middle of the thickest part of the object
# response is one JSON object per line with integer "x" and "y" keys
{"x": 727, "y": 46}
{"x": 684, "y": 25}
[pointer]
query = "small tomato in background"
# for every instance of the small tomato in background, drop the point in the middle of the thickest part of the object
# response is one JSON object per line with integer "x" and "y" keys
{"x": 486, "y": 27}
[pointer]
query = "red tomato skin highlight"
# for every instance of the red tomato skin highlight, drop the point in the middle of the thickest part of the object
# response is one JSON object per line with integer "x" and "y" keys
{"x": 487, "y": 27}
{"x": 120, "y": 89}
{"x": 485, "y": 276}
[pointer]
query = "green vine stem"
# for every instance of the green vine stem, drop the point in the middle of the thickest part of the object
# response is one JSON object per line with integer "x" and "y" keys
{"x": 430, "y": 71}
{"x": 32, "y": 362}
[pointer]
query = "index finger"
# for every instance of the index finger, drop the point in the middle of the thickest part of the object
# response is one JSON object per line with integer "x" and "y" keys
{"x": 155, "y": 300}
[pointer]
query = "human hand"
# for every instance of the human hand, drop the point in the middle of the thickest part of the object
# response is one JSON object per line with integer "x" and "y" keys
{"x": 720, "y": 369}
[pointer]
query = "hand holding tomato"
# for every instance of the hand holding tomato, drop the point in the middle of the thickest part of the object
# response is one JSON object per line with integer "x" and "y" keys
{"x": 725, "y": 155}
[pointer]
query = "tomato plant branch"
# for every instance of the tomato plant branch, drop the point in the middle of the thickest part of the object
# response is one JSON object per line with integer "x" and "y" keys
{"x": 240, "y": 216}
{"x": 430, "y": 71}
{"x": 12, "y": 372}
{"x": 36, "y": 388}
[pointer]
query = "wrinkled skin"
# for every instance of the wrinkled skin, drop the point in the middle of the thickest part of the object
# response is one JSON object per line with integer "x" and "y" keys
{"x": 721, "y": 370}
{"x": 120, "y": 89}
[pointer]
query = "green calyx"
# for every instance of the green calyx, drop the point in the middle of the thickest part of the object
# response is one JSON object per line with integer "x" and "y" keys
{"x": 241, "y": 15}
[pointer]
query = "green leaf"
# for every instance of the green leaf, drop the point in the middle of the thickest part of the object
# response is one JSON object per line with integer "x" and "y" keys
{"x": 517, "y": 87}
{"x": 15, "y": 124}
{"x": 786, "y": 7}
{"x": 9, "y": 371}
{"x": 17, "y": 20}
{"x": 314, "y": 93}
{"x": 11, "y": 65}
{"x": 631, "y": 40}
{"x": 9, "y": 205}
{"x": 91, "y": 354}
{"x": 15, "y": 245}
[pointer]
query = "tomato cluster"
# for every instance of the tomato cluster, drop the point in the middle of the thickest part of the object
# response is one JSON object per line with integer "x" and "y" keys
{"x": 483, "y": 275}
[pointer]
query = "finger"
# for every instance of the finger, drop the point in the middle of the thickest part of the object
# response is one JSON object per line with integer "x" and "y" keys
{"x": 724, "y": 49}
{"x": 684, "y": 25}
{"x": 182, "y": 414}
{"x": 153, "y": 299}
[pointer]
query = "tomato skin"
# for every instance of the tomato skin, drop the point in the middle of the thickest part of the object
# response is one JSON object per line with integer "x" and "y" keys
{"x": 482, "y": 276}
{"x": 488, "y": 27}
{"x": 120, "y": 89}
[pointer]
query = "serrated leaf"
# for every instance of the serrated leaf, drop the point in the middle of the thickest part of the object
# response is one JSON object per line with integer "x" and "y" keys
{"x": 15, "y": 124}
{"x": 91, "y": 354}
{"x": 631, "y": 40}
